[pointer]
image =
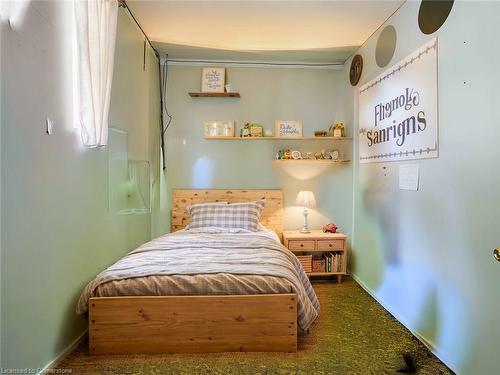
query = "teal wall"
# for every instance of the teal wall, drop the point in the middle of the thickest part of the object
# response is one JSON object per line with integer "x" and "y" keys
{"x": 315, "y": 96}
{"x": 57, "y": 232}
{"x": 426, "y": 255}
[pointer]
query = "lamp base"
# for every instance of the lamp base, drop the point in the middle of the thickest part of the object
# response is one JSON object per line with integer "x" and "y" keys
{"x": 305, "y": 227}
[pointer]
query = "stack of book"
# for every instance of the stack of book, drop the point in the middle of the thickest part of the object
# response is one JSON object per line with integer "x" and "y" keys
{"x": 333, "y": 262}
{"x": 306, "y": 261}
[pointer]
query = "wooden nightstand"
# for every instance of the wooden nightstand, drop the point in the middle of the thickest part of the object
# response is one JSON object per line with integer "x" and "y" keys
{"x": 318, "y": 244}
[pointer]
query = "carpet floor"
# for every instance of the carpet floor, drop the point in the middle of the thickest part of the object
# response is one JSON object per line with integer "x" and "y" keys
{"x": 353, "y": 335}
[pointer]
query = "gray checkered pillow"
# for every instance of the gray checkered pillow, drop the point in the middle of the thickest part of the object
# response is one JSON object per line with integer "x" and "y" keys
{"x": 244, "y": 215}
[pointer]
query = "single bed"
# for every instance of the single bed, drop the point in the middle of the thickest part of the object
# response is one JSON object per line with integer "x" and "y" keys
{"x": 203, "y": 291}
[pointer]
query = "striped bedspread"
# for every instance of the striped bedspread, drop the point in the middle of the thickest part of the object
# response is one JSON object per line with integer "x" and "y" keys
{"x": 187, "y": 263}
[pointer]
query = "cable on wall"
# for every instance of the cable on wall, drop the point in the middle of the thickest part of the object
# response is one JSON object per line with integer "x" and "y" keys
{"x": 163, "y": 83}
{"x": 164, "y": 90}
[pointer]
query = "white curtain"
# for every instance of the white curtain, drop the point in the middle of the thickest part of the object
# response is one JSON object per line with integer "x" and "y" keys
{"x": 96, "y": 35}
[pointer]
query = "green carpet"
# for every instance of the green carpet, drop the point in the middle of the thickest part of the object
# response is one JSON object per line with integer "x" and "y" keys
{"x": 353, "y": 335}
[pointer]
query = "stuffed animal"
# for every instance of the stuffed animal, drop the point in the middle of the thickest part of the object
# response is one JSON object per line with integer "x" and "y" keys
{"x": 329, "y": 228}
{"x": 280, "y": 155}
{"x": 245, "y": 131}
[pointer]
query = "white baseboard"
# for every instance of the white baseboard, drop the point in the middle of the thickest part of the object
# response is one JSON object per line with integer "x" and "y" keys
{"x": 429, "y": 345}
{"x": 53, "y": 364}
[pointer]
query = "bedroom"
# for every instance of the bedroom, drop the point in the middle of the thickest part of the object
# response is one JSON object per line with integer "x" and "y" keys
{"x": 418, "y": 290}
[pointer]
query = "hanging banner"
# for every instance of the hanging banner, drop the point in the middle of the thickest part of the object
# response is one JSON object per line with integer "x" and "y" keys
{"x": 398, "y": 114}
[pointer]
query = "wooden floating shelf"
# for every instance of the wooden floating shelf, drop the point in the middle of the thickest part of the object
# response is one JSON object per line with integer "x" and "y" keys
{"x": 214, "y": 94}
{"x": 279, "y": 138}
{"x": 319, "y": 161}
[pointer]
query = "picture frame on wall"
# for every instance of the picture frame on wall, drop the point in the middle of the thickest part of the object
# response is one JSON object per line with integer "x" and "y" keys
{"x": 213, "y": 79}
{"x": 288, "y": 128}
{"x": 219, "y": 128}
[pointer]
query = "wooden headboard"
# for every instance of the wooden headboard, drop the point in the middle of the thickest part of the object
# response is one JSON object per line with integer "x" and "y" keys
{"x": 272, "y": 216}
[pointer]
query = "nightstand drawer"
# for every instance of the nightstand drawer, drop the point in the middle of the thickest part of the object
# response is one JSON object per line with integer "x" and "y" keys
{"x": 331, "y": 244}
{"x": 301, "y": 244}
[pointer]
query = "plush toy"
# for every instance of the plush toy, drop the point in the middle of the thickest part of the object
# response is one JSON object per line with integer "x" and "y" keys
{"x": 245, "y": 131}
{"x": 334, "y": 154}
{"x": 280, "y": 155}
{"x": 329, "y": 228}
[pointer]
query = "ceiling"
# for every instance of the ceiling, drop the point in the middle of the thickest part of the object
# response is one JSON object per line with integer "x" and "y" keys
{"x": 306, "y": 31}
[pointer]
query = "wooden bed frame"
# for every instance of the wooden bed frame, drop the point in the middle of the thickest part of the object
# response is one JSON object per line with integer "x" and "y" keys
{"x": 198, "y": 324}
{"x": 272, "y": 216}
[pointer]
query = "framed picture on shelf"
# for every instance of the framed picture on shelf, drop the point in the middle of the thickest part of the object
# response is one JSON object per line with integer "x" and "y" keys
{"x": 288, "y": 128}
{"x": 213, "y": 79}
{"x": 337, "y": 129}
{"x": 219, "y": 128}
{"x": 256, "y": 130}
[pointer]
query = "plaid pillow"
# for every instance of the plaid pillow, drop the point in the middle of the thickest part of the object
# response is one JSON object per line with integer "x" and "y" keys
{"x": 244, "y": 215}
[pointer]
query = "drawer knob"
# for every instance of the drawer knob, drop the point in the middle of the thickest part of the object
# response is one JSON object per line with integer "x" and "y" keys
{"x": 301, "y": 245}
{"x": 330, "y": 245}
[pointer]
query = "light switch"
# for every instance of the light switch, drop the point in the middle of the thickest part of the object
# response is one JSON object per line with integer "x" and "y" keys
{"x": 49, "y": 126}
{"x": 408, "y": 177}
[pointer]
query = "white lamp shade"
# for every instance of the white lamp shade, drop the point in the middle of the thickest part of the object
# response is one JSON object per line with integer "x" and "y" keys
{"x": 306, "y": 199}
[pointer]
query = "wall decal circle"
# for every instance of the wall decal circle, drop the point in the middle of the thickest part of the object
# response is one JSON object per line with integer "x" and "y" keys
{"x": 432, "y": 14}
{"x": 356, "y": 69}
{"x": 386, "y": 45}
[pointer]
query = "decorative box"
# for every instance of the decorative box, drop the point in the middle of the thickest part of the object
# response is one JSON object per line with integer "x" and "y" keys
{"x": 306, "y": 261}
{"x": 318, "y": 265}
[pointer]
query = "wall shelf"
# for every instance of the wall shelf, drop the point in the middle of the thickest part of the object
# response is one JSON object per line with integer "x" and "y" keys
{"x": 303, "y": 161}
{"x": 280, "y": 139}
{"x": 214, "y": 94}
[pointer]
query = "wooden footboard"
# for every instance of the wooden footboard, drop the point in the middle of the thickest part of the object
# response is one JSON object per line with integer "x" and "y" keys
{"x": 193, "y": 324}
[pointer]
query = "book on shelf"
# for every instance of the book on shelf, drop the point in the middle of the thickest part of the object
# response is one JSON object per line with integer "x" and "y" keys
{"x": 328, "y": 262}
{"x": 318, "y": 265}
{"x": 333, "y": 262}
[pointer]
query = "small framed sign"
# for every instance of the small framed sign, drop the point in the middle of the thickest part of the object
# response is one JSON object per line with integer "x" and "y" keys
{"x": 219, "y": 128}
{"x": 256, "y": 130}
{"x": 288, "y": 129}
{"x": 213, "y": 79}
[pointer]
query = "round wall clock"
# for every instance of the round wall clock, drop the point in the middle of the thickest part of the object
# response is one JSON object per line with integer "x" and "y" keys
{"x": 356, "y": 69}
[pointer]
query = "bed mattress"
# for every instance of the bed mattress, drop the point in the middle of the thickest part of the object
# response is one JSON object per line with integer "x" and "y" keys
{"x": 200, "y": 263}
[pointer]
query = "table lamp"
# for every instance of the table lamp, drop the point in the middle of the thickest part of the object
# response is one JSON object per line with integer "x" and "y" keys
{"x": 306, "y": 200}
